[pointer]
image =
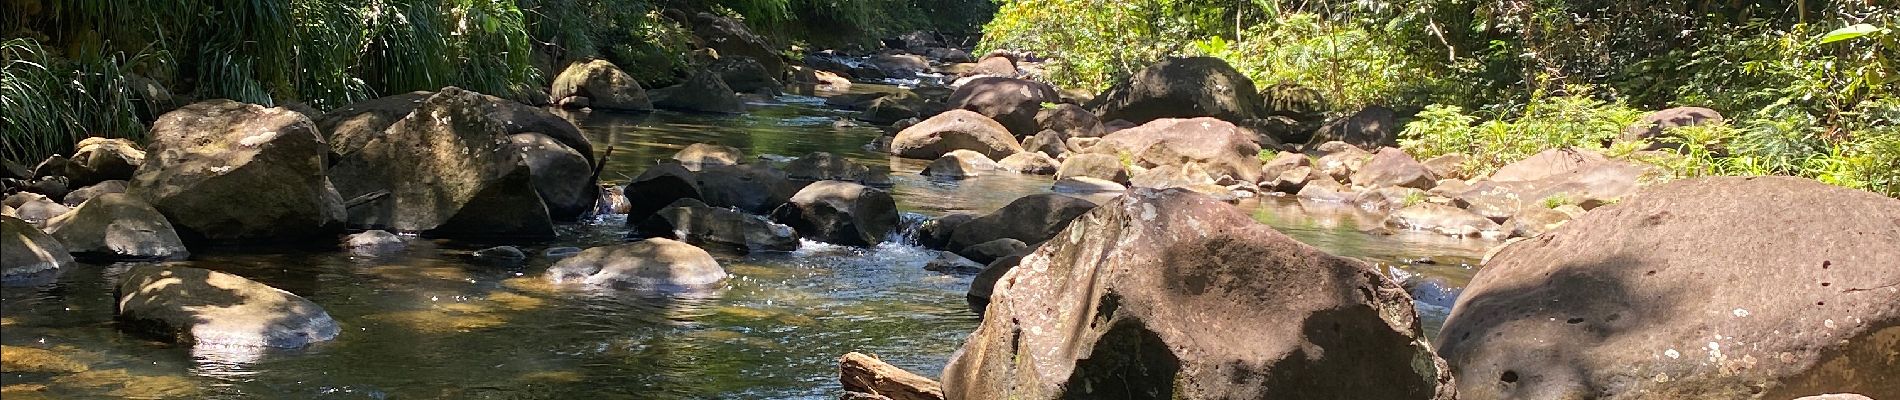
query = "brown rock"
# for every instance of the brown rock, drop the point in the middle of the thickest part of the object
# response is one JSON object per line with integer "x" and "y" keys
{"x": 955, "y": 130}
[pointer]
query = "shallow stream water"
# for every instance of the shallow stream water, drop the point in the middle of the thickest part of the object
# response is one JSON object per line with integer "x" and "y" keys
{"x": 428, "y": 323}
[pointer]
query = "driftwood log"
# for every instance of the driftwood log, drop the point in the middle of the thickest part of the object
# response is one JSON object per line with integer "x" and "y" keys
{"x": 866, "y": 377}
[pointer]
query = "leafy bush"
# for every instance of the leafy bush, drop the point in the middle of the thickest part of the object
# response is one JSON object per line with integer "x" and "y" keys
{"x": 1573, "y": 120}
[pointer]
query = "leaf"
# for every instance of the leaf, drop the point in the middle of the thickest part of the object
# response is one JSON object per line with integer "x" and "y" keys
{"x": 1848, "y": 33}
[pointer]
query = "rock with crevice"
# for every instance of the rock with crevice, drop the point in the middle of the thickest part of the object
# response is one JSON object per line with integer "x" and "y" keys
{"x": 98, "y": 159}
{"x": 233, "y": 172}
{"x": 1172, "y": 294}
{"x": 1715, "y": 283}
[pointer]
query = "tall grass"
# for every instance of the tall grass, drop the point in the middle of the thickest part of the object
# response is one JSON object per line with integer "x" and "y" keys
{"x": 48, "y": 103}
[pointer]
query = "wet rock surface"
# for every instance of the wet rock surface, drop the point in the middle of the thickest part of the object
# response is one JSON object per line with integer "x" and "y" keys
{"x": 654, "y": 264}
{"x": 226, "y": 171}
{"x": 115, "y": 227}
{"x": 205, "y": 307}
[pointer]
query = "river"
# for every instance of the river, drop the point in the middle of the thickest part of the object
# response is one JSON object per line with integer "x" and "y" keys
{"x": 428, "y": 323}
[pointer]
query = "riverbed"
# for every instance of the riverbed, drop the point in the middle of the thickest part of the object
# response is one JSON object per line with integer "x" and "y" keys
{"x": 430, "y": 323}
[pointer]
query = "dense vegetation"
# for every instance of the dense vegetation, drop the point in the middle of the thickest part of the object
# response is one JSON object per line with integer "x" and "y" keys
{"x": 75, "y": 68}
{"x": 1809, "y": 86}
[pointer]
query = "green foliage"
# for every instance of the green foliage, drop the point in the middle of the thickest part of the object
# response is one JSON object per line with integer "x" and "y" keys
{"x": 48, "y": 103}
{"x": 1573, "y": 120}
{"x": 1414, "y": 198}
{"x": 1557, "y": 200}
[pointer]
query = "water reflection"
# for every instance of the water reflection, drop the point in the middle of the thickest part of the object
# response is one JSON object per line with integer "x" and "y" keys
{"x": 425, "y": 322}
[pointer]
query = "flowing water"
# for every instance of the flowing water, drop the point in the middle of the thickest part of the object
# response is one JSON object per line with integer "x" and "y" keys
{"x": 427, "y": 323}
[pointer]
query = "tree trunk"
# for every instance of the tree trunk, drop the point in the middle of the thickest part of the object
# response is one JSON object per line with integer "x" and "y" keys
{"x": 864, "y": 374}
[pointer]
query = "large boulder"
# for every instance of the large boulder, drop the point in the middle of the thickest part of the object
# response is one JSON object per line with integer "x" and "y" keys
{"x": 116, "y": 226}
{"x": 1175, "y": 295}
{"x": 691, "y": 221}
{"x": 841, "y": 212}
{"x": 211, "y": 308}
{"x": 1048, "y": 143}
{"x": 1069, "y": 120}
{"x": 995, "y": 65}
{"x": 824, "y": 166}
{"x": 599, "y": 84}
{"x": 1654, "y": 128}
{"x": 1214, "y": 144}
{"x": 26, "y": 252}
{"x": 745, "y": 75}
{"x": 1391, "y": 167}
{"x": 1010, "y": 101}
{"x": 1106, "y": 167}
{"x": 229, "y": 171}
{"x": 1704, "y": 288}
{"x": 654, "y": 264}
{"x": 562, "y": 176}
{"x": 756, "y": 188}
{"x": 955, "y": 130}
{"x": 703, "y": 92}
{"x": 1030, "y": 219}
{"x": 98, "y": 159}
{"x": 1372, "y": 127}
{"x": 1181, "y": 88}
{"x": 731, "y": 38}
{"x": 889, "y": 109}
{"x": 656, "y": 188}
{"x": 1442, "y": 219}
{"x": 350, "y": 127}
{"x": 447, "y": 169}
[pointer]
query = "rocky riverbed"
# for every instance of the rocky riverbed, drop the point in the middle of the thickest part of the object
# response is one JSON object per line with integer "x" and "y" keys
{"x": 732, "y": 236}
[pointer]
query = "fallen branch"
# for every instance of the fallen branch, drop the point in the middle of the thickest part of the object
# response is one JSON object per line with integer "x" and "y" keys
{"x": 861, "y": 373}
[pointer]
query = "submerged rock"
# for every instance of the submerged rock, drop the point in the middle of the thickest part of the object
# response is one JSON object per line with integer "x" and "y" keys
{"x": 26, "y": 252}
{"x": 1442, "y": 219}
{"x": 955, "y": 130}
{"x": 500, "y": 255}
{"x": 226, "y": 171}
{"x": 1030, "y": 219}
{"x": 205, "y": 307}
{"x": 824, "y": 166}
{"x": 694, "y": 222}
{"x": 116, "y": 226}
{"x": 370, "y": 243}
{"x": 1085, "y": 185}
{"x": 1703, "y": 288}
{"x": 841, "y": 212}
{"x": 960, "y": 164}
{"x": 651, "y": 264}
{"x": 951, "y": 263}
{"x": 1171, "y": 294}
{"x": 702, "y": 154}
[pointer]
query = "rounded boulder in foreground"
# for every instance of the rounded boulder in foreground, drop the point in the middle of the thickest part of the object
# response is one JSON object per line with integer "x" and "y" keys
{"x": 205, "y": 307}
{"x": 1768, "y": 288}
